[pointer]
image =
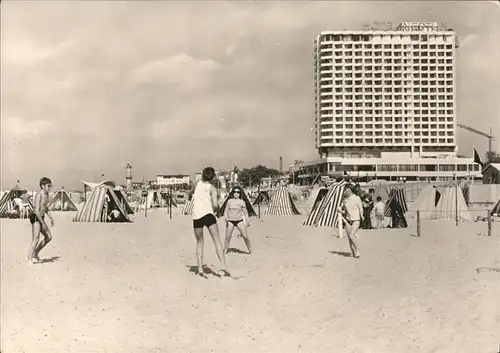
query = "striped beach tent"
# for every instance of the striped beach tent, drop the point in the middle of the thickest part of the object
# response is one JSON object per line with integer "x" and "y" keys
{"x": 325, "y": 213}
{"x": 447, "y": 206}
{"x": 188, "y": 207}
{"x": 495, "y": 211}
{"x": 123, "y": 201}
{"x": 244, "y": 197}
{"x": 62, "y": 202}
{"x": 426, "y": 201}
{"x": 317, "y": 194}
{"x": 92, "y": 209}
{"x": 281, "y": 204}
{"x": 7, "y": 204}
{"x": 397, "y": 196}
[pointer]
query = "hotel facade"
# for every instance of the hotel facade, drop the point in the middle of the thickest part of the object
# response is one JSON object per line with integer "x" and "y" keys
{"x": 385, "y": 105}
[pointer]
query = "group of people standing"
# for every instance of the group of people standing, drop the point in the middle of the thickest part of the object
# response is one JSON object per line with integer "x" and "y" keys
{"x": 206, "y": 207}
{"x": 357, "y": 208}
{"x": 356, "y": 211}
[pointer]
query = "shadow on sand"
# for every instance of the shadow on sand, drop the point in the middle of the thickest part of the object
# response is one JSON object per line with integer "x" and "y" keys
{"x": 341, "y": 253}
{"x": 206, "y": 270}
{"x": 237, "y": 251}
{"x": 50, "y": 259}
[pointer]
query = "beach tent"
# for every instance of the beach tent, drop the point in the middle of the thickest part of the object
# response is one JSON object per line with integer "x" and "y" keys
{"x": 262, "y": 198}
{"x": 188, "y": 207}
{"x": 8, "y": 207}
{"x": 91, "y": 185}
{"x": 93, "y": 209}
{"x": 325, "y": 212}
{"x": 450, "y": 203}
{"x": 62, "y": 202}
{"x": 396, "y": 198}
{"x": 495, "y": 211}
{"x": 281, "y": 204}
{"x": 244, "y": 197}
{"x": 120, "y": 194}
{"x": 317, "y": 194}
{"x": 396, "y": 207}
{"x": 426, "y": 201}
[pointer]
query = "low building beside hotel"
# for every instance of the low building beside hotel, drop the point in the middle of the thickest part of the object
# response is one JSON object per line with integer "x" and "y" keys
{"x": 390, "y": 166}
{"x": 177, "y": 181}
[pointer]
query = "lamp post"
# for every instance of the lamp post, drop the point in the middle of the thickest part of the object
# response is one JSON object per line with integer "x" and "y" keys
{"x": 456, "y": 202}
{"x": 145, "y": 195}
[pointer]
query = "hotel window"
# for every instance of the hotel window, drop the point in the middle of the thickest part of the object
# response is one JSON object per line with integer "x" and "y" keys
{"x": 446, "y": 168}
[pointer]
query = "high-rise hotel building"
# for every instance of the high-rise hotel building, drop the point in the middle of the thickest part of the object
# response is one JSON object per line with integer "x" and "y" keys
{"x": 385, "y": 102}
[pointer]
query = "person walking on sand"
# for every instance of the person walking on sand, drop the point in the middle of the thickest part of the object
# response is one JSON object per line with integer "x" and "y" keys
{"x": 37, "y": 219}
{"x": 379, "y": 211}
{"x": 205, "y": 206}
{"x": 236, "y": 215}
{"x": 353, "y": 213}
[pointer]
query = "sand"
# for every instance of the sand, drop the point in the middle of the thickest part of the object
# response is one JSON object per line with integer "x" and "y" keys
{"x": 128, "y": 288}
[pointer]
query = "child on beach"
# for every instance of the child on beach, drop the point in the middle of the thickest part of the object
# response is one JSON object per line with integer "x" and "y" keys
{"x": 37, "y": 219}
{"x": 236, "y": 215}
{"x": 205, "y": 205}
{"x": 379, "y": 210}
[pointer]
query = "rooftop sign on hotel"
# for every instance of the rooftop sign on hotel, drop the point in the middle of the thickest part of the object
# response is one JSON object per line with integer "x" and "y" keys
{"x": 419, "y": 26}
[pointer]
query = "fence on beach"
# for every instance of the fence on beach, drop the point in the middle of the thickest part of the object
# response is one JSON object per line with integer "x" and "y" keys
{"x": 478, "y": 215}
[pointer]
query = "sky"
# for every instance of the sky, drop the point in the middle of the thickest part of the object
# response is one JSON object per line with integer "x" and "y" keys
{"x": 176, "y": 86}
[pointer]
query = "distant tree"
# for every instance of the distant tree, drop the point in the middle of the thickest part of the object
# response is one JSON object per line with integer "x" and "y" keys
{"x": 254, "y": 175}
{"x": 491, "y": 157}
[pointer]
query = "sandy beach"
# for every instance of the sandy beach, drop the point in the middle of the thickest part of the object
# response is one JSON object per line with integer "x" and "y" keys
{"x": 129, "y": 288}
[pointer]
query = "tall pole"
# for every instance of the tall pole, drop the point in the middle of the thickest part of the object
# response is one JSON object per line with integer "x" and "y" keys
{"x": 258, "y": 200}
{"x": 490, "y": 142}
{"x": 456, "y": 203}
{"x": 170, "y": 202}
{"x": 145, "y": 198}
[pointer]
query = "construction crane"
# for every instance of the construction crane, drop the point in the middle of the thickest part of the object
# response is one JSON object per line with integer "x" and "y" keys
{"x": 489, "y": 136}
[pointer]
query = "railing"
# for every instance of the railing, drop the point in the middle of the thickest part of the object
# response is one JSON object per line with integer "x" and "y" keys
{"x": 479, "y": 216}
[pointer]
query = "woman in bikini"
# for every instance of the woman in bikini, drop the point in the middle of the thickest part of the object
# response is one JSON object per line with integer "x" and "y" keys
{"x": 236, "y": 215}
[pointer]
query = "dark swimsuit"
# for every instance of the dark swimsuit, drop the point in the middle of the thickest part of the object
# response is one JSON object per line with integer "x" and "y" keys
{"x": 33, "y": 218}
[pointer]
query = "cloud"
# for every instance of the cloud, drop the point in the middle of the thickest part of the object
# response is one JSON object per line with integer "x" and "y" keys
{"x": 181, "y": 70}
{"x": 230, "y": 50}
{"x": 16, "y": 127}
{"x": 26, "y": 52}
{"x": 172, "y": 86}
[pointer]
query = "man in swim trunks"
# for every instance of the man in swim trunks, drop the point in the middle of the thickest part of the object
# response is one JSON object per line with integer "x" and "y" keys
{"x": 37, "y": 219}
